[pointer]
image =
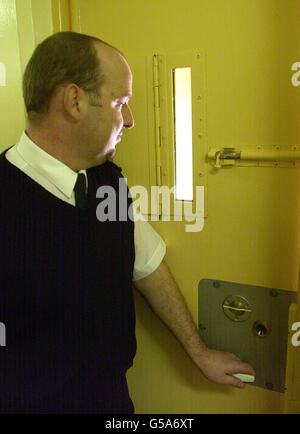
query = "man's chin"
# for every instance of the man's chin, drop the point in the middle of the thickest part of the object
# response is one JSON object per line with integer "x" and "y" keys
{"x": 111, "y": 153}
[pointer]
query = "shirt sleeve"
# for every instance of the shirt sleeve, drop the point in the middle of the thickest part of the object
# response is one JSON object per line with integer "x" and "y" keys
{"x": 150, "y": 248}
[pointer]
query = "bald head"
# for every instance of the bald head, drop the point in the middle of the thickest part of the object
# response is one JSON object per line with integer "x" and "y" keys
{"x": 84, "y": 108}
{"x": 113, "y": 66}
{"x": 62, "y": 58}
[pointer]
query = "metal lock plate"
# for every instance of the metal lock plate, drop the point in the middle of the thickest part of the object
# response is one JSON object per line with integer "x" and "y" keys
{"x": 249, "y": 321}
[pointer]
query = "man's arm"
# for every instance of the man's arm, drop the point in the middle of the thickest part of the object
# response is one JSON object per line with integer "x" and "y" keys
{"x": 165, "y": 299}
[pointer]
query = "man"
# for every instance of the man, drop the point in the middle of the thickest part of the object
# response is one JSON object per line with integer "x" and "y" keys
{"x": 67, "y": 278}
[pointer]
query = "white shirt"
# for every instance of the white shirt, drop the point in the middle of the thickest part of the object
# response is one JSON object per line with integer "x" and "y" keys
{"x": 59, "y": 179}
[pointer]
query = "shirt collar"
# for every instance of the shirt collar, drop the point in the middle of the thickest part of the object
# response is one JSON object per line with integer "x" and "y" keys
{"x": 52, "y": 169}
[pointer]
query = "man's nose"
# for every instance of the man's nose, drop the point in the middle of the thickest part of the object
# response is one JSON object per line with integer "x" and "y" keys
{"x": 127, "y": 117}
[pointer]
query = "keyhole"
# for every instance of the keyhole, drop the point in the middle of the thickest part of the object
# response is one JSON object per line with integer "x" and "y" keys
{"x": 261, "y": 329}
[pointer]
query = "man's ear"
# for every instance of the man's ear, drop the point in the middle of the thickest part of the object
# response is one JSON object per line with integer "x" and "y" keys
{"x": 74, "y": 101}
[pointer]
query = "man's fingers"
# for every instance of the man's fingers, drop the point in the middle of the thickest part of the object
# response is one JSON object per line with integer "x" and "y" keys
{"x": 229, "y": 380}
{"x": 220, "y": 367}
{"x": 236, "y": 382}
{"x": 245, "y": 368}
{"x": 241, "y": 368}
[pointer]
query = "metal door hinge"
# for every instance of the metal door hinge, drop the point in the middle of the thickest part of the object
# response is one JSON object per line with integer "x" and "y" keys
{"x": 157, "y": 122}
{"x": 156, "y": 87}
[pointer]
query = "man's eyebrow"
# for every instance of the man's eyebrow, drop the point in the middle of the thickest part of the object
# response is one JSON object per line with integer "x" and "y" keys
{"x": 125, "y": 95}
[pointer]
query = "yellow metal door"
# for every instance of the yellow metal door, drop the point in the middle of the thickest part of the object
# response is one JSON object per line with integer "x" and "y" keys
{"x": 251, "y": 227}
{"x": 248, "y": 100}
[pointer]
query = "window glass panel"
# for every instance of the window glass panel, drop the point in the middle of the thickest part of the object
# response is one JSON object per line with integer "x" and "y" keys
{"x": 183, "y": 133}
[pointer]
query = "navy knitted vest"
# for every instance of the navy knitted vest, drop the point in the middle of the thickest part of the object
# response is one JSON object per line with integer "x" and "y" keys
{"x": 65, "y": 299}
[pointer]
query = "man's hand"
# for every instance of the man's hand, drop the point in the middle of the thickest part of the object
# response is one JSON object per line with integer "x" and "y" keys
{"x": 219, "y": 367}
{"x": 165, "y": 299}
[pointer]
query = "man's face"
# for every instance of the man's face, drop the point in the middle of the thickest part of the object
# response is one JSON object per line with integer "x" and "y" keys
{"x": 107, "y": 117}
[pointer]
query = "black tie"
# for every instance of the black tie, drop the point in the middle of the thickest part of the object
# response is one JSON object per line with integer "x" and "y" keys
{"x": 80, "y": 191}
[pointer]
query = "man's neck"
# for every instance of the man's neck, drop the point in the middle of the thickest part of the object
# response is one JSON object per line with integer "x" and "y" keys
{"x": 63, "y": 150}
